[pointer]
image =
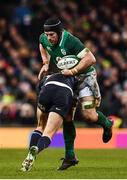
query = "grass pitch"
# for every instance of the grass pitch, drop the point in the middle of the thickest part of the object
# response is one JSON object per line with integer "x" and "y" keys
{"x": 94, "y": 164}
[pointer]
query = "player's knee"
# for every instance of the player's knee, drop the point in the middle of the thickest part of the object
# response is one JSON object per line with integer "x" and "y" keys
{"x": 90, "y": 116}
{"x": 89, "y": 110}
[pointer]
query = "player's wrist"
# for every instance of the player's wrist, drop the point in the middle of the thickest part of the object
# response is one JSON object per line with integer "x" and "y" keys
{"x": 71, "y": 72}
{"x": 46, "y": 66}
{"x": 46, "y": 62}
{"x": 74, "y": 71}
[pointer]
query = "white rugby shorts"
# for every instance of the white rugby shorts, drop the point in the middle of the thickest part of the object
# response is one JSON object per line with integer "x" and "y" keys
{"x": 85, "y": 92}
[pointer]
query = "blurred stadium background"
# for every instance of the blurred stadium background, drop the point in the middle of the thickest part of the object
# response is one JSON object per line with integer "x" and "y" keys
{"x": 101, "y": 25}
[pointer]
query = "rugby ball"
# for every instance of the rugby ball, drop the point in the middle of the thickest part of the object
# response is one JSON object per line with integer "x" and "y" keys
{"x": 68, "y": 62}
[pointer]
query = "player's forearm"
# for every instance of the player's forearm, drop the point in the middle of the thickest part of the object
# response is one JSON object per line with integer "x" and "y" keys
{"x": 44, "y": 55}
{"x": 85, "y": 62}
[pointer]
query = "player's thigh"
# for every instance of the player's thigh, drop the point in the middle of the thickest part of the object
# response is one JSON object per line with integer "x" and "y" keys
{"x": 53, "y": 124}
{"x": 88, "y": 108}
{"x": 86, "y": 98}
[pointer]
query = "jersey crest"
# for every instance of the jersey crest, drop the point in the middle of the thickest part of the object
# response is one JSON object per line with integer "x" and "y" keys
{"x": 63, "y": 52}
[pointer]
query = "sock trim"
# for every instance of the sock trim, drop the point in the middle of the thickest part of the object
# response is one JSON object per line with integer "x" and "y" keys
{"x": 36, "y": 133}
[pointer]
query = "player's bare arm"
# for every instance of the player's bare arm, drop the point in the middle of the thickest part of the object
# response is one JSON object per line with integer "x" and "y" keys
{"x": 45, "y": 59}
{"x": 87, "y": 59}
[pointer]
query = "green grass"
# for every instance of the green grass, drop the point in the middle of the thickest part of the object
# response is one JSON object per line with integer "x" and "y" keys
{"x": 94, "y": 164}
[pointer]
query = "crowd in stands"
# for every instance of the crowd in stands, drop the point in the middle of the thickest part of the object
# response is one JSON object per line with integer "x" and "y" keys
{"x": 101, "y": 25}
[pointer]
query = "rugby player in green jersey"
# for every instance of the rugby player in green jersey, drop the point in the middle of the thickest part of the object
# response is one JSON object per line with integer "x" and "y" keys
{"x": 56, "y": 43}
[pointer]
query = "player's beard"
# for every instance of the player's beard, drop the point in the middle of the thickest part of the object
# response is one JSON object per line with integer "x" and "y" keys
{"x": 53, "y": 42}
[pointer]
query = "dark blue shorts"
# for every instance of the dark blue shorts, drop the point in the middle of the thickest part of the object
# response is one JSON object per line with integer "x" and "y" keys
{"x": 53, "y": 98}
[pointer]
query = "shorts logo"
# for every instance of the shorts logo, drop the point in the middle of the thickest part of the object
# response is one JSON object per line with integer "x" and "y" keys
{"x": 58, "y": 109}
{"x": 63, "y": 52}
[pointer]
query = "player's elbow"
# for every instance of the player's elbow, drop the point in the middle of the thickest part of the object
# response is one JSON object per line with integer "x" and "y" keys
{"x": 93, "y": 59}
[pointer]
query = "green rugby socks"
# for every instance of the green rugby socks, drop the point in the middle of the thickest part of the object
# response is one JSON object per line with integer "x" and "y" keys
{"x": 103, "y": 120}
{"x": 69, "y": 134}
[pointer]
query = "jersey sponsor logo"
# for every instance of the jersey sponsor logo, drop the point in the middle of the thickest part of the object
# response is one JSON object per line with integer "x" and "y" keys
{"x": 63, "y": 52}
{"x": 48, "y": 48}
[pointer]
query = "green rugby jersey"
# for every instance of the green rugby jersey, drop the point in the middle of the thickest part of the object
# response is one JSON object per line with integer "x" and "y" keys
{"x": 68, "y": 45}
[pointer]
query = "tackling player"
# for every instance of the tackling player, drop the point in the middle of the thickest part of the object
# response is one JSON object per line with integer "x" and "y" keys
{"x": 54, "y": 101}
{"x": 55, "y": 43}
